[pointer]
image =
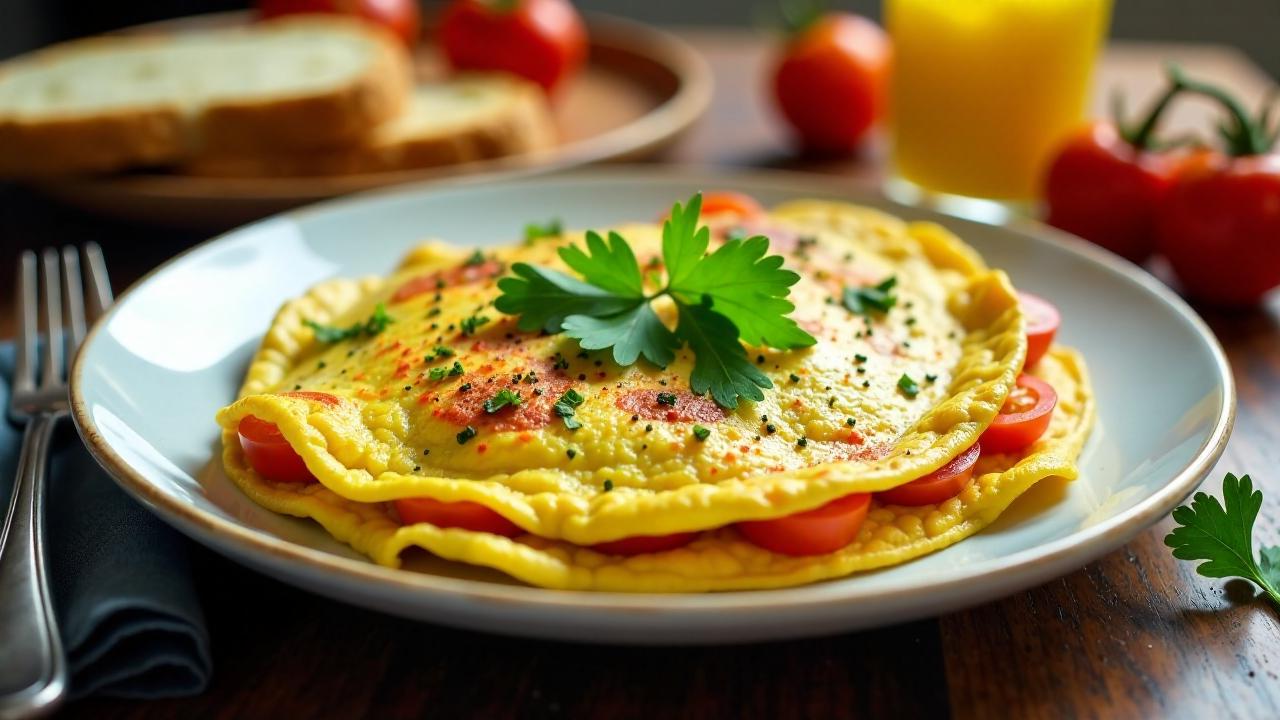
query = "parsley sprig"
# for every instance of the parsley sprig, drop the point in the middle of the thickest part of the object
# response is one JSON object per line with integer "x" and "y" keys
{"x": 376, "y": 323}
{"x": 1222, "y": 536}
{"x": 732, "y": 295}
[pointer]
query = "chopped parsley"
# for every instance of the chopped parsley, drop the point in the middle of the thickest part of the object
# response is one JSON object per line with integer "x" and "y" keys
{"x": 701, "y": 433}
{"x": 567, "y": 406}
{"x": 467, "y": 433}
{"x": 476, "y": 258}
{"x": 666, "y": 398}
{"x": 909, "y": 387}
{"x": 536, "y": 231}
{"x": 436, "y": 373}
{"x": 930, "y": 378}
{"x": 608, "y": 485}
{"x": 850, "y": 421}
{"x": 803, "y": 442}
{"x": 723, "y": 298}
{"x": 571, "y": 453}
{"x": 469, "y": 325}
{"x": 504, "y": 398}
{"x": 376, "y": 323}
{"x": 872, "y": 298}
{"x": 456, "y": 369}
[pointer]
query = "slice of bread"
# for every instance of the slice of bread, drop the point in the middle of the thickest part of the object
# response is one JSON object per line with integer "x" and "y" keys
{"x": 458, "y": 120}
{"x": 109, "y": 103}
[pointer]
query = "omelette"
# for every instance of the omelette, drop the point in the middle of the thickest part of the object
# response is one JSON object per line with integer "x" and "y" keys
{"x": 411, "y": 412}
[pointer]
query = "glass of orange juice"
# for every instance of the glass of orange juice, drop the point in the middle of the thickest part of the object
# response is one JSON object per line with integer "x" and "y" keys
{"x": 984, "y": 90}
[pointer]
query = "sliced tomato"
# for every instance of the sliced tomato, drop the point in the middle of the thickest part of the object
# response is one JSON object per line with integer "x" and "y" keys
{"x": 641, "y": 544}
{"x": 727, "y": 201}
{"x": 813, "y": 532}
{"x": 1024, "y": 417}
{"x": 938, "y": 486}
{"x": 1042, "y": 324}
{"x": 269, "y": 454}
{"x": 463, "y": 514}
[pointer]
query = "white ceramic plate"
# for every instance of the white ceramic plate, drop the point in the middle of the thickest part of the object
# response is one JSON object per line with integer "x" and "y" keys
{"x": 174, "y": 348}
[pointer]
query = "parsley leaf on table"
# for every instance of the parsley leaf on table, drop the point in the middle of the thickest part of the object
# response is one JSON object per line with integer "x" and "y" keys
{"x": 376, "y": 323}
{"x": 1223, "y": 536}
{"x": 733, "y": 295}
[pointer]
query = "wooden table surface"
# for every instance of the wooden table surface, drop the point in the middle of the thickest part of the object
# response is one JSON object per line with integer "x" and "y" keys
{"x": 1135, "y": 634}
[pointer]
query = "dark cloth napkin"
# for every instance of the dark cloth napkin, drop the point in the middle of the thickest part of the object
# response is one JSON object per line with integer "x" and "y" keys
{"x": 121, "y": 580}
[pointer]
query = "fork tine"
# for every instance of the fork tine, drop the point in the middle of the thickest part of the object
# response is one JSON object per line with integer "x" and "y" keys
{"x": 51, "y": 354}
{"x": 24, "y": 371}
{"x": 99, "y": 284}
{"x": 72, "y": 297}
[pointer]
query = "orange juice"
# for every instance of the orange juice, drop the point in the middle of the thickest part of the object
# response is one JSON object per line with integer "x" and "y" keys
{"x": 983, "y": 90}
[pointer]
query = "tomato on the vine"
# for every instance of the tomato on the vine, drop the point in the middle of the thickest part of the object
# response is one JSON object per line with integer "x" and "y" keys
{"x": 1220, "y": 223}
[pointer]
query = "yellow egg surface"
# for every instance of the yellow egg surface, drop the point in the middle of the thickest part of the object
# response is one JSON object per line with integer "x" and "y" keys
{"x": 837, "y": 420}
{"x": 719, "y": 560}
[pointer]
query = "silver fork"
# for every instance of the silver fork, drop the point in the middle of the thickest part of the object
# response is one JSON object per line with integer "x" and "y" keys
{"x": 33, "y": 670}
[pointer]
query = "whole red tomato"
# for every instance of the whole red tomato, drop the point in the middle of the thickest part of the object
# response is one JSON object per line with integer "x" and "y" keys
{"x": 831, "y": 80}
{"x": 1105, "y": 189}
{"x": 1220, "y": 229}
{"x": 542, "y": 40}
{"x": 401, "y": 17}
{"x": 1106, "y": 182}
{"x": 1219, "y": 225}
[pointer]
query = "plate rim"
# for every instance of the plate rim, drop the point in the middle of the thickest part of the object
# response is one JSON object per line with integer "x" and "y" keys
{"x": 228, "y": 537}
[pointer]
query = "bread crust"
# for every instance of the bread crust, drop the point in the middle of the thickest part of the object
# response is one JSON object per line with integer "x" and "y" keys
{"x": 162, "y": 134}
{"x": 524, "y": 126}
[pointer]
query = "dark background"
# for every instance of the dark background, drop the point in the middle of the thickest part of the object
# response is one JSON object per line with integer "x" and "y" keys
{"x": 1250, "y": 25}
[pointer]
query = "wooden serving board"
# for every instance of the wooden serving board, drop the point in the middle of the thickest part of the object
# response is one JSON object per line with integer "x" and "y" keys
{"x": 640, "y": 89}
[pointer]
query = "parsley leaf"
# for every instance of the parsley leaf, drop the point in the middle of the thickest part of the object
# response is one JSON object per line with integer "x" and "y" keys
{"x": 376, "y": 323}
{"x": 1223, "y": 536}
{"x": 683, "y": 242}
{"x": 722, "y": 366}
{"x": 748, "y": 288}
{"x": 733, "y": 295}
{"x": 873, "y": 298}
{"x": 504, "y": 398}
{"x": 611, "y": 267}
{"x": 543, "y": 298}
{"x": 632, "y": 333}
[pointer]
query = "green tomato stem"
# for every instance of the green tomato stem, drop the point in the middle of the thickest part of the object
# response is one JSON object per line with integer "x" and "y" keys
{"x": 1243, "y": 134}
{"x": 1141, "y": 137}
